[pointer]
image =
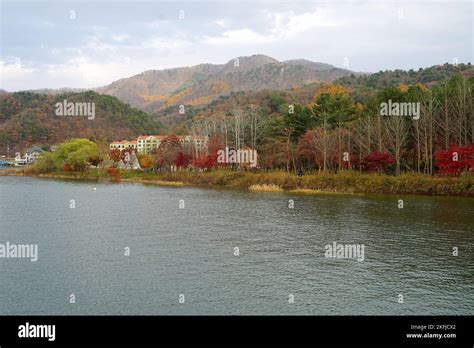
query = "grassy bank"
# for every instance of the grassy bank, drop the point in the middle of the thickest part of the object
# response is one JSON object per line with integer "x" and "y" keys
{"x": 343, "y": 182}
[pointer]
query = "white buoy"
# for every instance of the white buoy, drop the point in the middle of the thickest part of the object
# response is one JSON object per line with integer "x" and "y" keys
{"x": 95, "y": 189}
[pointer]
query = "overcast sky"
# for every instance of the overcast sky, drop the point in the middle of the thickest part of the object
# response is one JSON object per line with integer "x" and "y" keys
{"x": 52, "y": 44}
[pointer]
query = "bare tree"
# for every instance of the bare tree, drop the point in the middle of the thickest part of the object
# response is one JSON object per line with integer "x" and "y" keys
{"x": 397, "y": 131}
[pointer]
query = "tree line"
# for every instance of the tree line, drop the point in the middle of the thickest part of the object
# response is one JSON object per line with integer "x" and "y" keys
{"x": 343, "y": 128}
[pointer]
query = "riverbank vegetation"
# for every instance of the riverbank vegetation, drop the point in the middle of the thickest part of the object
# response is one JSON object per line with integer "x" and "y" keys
{"x": 277, "y": 181}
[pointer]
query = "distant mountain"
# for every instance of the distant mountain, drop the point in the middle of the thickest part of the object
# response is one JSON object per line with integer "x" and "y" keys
{"x": 309, "y": 64}
{"x": 157, "y": 90}
{"x": 28, "y": 118}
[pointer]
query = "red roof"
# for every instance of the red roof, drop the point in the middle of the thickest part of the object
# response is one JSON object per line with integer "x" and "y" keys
{"x": 144, "y": 137}
{"x": 159, "y": 137}
{"x": 120, "y": 142}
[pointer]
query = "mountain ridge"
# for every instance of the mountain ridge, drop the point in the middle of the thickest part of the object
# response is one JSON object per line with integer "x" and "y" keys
{"x": 155, "y": 90}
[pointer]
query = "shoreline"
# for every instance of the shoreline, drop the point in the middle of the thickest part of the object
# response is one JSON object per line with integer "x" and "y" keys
{"x": 351, "y": 183}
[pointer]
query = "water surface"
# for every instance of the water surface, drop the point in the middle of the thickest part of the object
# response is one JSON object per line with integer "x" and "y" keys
{"x": 190, "y": 251}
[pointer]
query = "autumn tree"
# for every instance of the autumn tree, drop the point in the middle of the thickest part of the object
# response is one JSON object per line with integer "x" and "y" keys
{"x": 115, "y": 155}
{"x": 397, "y": 128}
{"x": 205, "y": 162}
{"x": 456, "y": 159}
{"x": 332, "y": 106}
{"x": 165, "y": 155}
{"x": 145, "y": 160}
{"x": 377, "y": 161}
{"x": 183, "y": 160}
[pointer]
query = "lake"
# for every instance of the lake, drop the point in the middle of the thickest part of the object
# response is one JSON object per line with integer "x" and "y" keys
{"x": 131, "y": 249}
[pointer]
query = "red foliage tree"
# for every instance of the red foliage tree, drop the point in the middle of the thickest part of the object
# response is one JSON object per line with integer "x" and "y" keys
{"x": 115, "y": 155}
{"x": 377, "y": 161}
{"x": 114, "y": 174}
{"x": 352, "y": 162}
{"x": 205, "y": 162}
{"x": 183, "y": 160}
{"x": 306, "y": 150}
{"x": 455, "y": 160}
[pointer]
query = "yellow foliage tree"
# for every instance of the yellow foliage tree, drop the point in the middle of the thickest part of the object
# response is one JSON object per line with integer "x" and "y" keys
{"x": 403, "y": 87}
{"x": 330, "y": 89}
{"x": 146, "y": 161}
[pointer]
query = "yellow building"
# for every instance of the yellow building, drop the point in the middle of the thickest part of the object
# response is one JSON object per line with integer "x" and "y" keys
{"x": 123, "y": 144}
{"x": 147, "y": 143}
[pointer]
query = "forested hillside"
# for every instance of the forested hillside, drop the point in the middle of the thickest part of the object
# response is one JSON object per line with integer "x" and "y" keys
{"x": 392, "y": 78}
{"x": 28, "y": 118}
